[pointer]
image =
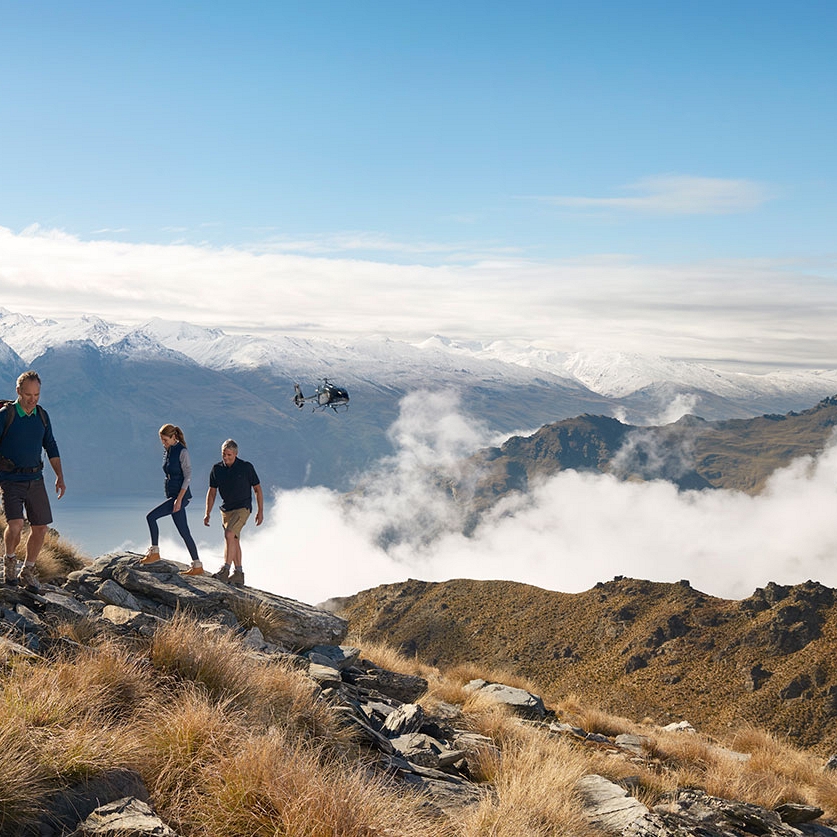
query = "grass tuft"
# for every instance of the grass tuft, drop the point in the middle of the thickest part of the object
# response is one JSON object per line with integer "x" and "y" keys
{"x": 251, "y": 613}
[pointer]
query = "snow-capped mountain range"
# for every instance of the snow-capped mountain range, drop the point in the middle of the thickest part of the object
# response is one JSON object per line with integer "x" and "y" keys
{"x": 218, "y": 384}
{"x": 613, "y": 375}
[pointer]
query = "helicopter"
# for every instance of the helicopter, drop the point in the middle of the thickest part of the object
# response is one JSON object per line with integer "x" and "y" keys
{"x": 326, "y": 395}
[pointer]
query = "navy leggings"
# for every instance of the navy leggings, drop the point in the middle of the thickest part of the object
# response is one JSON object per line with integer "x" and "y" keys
{"x": 179, "y": 518}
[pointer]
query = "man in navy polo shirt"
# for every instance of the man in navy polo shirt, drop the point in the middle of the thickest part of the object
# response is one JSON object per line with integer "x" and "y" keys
{"x": 24, "y": 432}
{"x": 237, "y": 481}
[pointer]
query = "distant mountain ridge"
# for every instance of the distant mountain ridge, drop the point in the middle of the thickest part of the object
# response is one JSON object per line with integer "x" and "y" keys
{"x": 738, "y": 454}
{"x": 219, "y": 385}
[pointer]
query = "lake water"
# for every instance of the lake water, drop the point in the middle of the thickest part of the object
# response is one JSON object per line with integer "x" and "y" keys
{"x": 97, "y": 525}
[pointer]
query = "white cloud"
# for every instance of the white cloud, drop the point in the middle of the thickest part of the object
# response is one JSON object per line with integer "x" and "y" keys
{"x": 379, "y": 243}
{"x": 736, "y": 311}
{"x": 571, "y": 532}
{"x": 678, "y": 195}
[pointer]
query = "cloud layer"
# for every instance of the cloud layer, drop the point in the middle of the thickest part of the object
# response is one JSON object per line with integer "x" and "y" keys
{"x": 744, "y": 312}
{"x": 571, "y": 532}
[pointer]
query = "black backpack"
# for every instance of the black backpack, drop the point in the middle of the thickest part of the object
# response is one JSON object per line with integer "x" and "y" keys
{"x": 11, "y": 412}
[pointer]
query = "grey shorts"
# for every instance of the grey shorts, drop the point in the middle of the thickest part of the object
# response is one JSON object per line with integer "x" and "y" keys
{"x": 30, "y": 495}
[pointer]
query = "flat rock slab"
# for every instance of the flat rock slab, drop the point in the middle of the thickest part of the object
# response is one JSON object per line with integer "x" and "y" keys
{"x": 608, "y": 805}
{"x": 128, "y": 816}
{"x": 120, "y": 579}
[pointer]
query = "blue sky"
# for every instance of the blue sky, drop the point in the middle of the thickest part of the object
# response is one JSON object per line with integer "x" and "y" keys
{"x": 612, "y": 171}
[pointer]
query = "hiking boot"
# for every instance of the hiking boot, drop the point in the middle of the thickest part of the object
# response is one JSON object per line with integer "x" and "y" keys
{"x": 223, "y": 574}
{"x": 152, "y": 555}
{"x": 29, "y": 579}
{"x": 10, "y": 568}
{"x": 192, "y": 571}
{"x": 237, "y": 578}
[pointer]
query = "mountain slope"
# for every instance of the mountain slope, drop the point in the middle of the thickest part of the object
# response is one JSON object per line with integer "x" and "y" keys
{"x": 637, "y": 648}
{"x": 738, "y": 454}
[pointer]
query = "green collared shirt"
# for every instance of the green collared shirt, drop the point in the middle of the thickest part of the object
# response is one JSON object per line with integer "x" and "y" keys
{"x": 22, "y": 413}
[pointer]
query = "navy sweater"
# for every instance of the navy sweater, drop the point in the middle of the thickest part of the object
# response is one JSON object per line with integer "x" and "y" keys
{"x": 24, "y": 441}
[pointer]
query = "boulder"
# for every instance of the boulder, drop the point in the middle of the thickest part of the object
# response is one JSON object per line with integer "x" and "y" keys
{"x": 609, "y": 806}
{"x": 127, "y": 817}
{"x": 406, "y": 719}
{"x": 114, "y": 594}
{"x": 520, "y": 701}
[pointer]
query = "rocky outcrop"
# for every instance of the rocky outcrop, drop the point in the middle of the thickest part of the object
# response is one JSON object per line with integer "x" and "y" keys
{"x": 121, "y": 596}
{"x": 691, "y": 813}
{"x": 116, "y": 587}
{"x": 117, "y": 595}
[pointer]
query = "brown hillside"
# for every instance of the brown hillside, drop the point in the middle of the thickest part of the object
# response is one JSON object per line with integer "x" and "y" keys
{"x": 637, "y": 648}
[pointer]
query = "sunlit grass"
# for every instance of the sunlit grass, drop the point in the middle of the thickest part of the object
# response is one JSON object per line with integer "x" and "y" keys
{"x": 233, "y": 743}
{"x": 58, "y": 557}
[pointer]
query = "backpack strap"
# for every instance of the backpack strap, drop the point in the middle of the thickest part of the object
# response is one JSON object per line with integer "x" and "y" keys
{"x": 43, "y": 414}
{"x": 10, "y": 417}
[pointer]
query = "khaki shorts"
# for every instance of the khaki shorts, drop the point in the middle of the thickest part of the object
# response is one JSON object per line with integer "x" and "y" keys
{"x": 234, "y": 520}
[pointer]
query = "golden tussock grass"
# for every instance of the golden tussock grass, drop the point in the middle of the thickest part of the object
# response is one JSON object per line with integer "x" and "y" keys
{"x": 100, "y": 684}
{"x": 62, "y": 721}
{"x": 24, "y": 781}
{"x": 252, "y": 613}
{"x": 752, "y": 766}
{"x": 186, "y": 651}
{"x": 385, "y": 656}
{"x": 58, "y": 557}
{"x": 532, "y": 791}
{"x": 449, "y": 683}
{"x": 573, "y": 710}
{"x": 270, "y": 692}
{"x": 236, "y": 744}
{"x": 269, "y": 784}
{"x": 465, "y": 672}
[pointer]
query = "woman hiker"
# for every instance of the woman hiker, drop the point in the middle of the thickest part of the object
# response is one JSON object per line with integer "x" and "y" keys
{"x": 178, "y": 470}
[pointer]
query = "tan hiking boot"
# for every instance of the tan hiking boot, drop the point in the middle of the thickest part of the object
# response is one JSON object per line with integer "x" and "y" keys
{"x": 237, "y": 578}
{"x": 10, "y": 570}
{"x": 29, "y": 578}
{"x": 223, "y": 574}
{"x": 151, "y": 556}
{"x": 192, "y": 571}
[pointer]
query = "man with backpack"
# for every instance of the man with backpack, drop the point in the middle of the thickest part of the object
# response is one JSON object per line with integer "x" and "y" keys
{"x": 25, "y": 429}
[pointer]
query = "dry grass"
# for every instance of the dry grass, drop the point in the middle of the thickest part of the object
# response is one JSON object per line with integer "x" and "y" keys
{"x": 385, "y": 656}
{"x": 590, "y": 718}
{"x": 465, "y": 672}
{"x": 57, "y": 558}
{"x": 270, "y": 693}
{"x": 272, "y": 785}
{"x": 24, "y": 781}
{"x": 100, "y": 684}
{"x": 188, "y": 653}
{"x": 252, "y": 613}
{"x": 534, "y": 794}
{"x": 231, "y": 744}
{"x": 752, "y": 766}
{"x": 61, "y": 722}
